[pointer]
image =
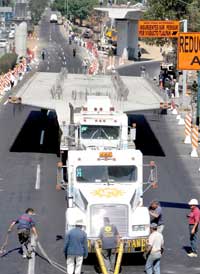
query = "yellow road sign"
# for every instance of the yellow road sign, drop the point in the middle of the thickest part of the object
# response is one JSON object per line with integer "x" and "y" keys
{"x": 189, "y": 51}
{"x": 161, "y": 28}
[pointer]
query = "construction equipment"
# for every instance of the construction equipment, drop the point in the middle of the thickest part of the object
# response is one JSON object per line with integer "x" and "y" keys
{"x": 109, "y": 183}
{"x": 96, "y": 125}
{"x": 101, "y": 260}
{"x": 4, "y": 245}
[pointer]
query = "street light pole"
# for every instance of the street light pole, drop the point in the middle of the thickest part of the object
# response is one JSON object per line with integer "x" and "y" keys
{"x": 185, "y": 29}
{"x": 66, "y": 8}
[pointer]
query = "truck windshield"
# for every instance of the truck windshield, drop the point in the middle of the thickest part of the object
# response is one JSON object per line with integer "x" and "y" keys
{"x": 98, "y": 174}
{"x": 99, "y": 132}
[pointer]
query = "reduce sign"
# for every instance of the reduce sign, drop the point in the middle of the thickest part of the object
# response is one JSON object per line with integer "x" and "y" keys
{"x": 161, "y": 28}
{"x": 189, "y": 51}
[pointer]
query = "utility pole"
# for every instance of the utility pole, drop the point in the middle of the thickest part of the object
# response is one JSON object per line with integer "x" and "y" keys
{"x": 66, "y": 7}
{"x": 198, "y": 99}
{"x": 184, "y": 83}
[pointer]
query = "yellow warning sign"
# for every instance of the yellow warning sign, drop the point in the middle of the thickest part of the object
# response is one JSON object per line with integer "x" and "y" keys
{"x": 108, "y": 192}
{"x": 189, "y": 51}
{"x": 161, "y": 28}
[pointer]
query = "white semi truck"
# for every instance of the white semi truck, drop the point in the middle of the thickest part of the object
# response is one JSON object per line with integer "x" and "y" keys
{"x": 103, "y": 183}
{"x": 98, "y": 125}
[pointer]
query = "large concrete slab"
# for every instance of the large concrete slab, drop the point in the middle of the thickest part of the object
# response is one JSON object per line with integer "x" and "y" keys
{"x": 75, "y": 88}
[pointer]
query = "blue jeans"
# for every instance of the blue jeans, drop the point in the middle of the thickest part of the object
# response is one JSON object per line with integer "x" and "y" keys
{"x": 193, "y": 239}
{"x": 153, "y": 263}
{"x": 109, "y": 256}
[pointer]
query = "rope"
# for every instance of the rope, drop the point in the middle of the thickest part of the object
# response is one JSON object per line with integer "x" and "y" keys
{"x": 53, "y": 263}
{"x": 2, "y": 249}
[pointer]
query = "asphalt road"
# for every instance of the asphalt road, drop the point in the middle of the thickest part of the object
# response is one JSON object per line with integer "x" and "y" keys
{"x": 58, "y": 52}
{"x": 28, "y": 177}
{"x": 152, "y": 69}
{"x": 21, "y": 153}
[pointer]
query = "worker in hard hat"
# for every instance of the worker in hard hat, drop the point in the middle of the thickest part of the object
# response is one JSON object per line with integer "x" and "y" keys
{"x": 25, "y": 225}
{"x": 109, "y": 237}
{"x": 193, "y": 220}
{"x": 76, "y": 248}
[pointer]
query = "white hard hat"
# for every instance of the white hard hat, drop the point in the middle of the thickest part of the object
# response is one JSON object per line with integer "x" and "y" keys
{"x": 79, "y": 222}
{"x": 193, "y": 202}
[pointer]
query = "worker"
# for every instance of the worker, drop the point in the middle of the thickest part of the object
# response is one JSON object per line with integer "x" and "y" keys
{"x": 156, "y": 216}
{"x": 193, "y": 220}
{"x": 74, "y": 52}
{"x": 76, "y": 248}
{"x": 154, "y": 250}
{"x": 109, "y": 237}
{"x": 43, "y": 54}
{"x": 25, "y": 225}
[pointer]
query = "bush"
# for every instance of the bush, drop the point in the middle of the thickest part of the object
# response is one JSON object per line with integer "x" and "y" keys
{"x": 7, "y": 61}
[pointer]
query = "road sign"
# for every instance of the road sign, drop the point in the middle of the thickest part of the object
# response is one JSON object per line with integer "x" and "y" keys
{"x": 155, "y": 29}
{"x": 189, "y": 51}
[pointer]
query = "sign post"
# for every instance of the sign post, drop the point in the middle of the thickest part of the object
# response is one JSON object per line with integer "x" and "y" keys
{"x": 198, "y": 100}
{"x": 185, "y": 29}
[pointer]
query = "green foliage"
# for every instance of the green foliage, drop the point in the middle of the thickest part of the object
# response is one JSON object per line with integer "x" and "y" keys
{"x": 76, "y": 8}
{"x": 167, "y": 9}
{"x": 7, "y": 61}
{"x": 37, "y": 7}
{"x": 193, "y": 12}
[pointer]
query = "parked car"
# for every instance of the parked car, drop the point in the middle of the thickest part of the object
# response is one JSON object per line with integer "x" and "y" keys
{"x": 87, "y": 33}
{"x": 3, "y": 43}
{"x": 12, "y": 27}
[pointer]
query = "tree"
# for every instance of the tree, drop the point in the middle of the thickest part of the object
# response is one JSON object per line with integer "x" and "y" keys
{"x": 37, "y": 7}
{"x": 193, "y": 11}
{"x": 167, "y": 9}
{"x": 76, "y": 8}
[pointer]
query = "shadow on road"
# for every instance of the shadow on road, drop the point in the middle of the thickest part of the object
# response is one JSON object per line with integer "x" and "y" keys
{"x": 174, "y": 205}
{"x": 146, "y": 140}
{"x": 31, "y": 138}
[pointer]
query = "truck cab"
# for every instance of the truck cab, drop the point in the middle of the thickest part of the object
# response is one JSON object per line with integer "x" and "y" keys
{"x": 108, "y": 184}
{"x": 98, "y": 125}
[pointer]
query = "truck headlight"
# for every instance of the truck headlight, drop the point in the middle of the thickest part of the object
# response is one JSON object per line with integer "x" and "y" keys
{"x": 139, "y": 227}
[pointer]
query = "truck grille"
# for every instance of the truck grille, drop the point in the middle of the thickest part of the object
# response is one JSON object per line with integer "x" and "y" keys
{"x": 118, "y": 215}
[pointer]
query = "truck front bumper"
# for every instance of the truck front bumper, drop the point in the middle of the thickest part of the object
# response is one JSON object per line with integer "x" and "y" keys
{"x": 130, "y": 245}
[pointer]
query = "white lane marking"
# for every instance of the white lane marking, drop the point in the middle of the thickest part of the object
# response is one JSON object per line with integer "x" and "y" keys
{"x": 31, "y": 262}
{"x": 42, "y": 137}
{"x": 5, "y": 103}
{"x": 47, "y": 68}
{"x": 48, "y": 62}
{"x": 64, "y": 57}
{"x": 37, "y": 181}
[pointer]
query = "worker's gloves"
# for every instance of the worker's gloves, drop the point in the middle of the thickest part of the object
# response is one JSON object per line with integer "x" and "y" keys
{"x": 9, "y": 231}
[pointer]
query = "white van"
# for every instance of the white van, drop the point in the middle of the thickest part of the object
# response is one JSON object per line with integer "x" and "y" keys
{"x": 3, "y": 43}
{"x": 54, "y": 18}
